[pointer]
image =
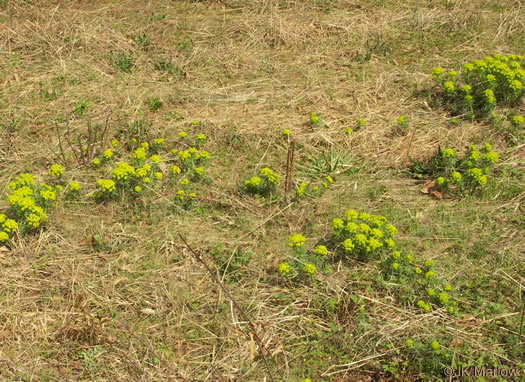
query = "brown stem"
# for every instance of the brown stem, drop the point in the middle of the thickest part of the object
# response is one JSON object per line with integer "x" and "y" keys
{"x": 522, "y": 314}
{"x": 292, "y": 155}
{"x": 60, "y": 143}
{"x": 289, "y": 165}
{"x": 81, "y": 155}
{"x": 68, "y": 138}
{"x": 262, "y": 348}
{"x": 410, "y": 143}
{"x": 104, "y": 137}
{"x": 89, "y": 144}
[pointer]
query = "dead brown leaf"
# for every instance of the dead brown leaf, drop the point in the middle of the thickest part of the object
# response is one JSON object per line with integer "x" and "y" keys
{"x": 117, "y": 280}
{"x": 253, "y": 348}
{"x": 436, "y": 194}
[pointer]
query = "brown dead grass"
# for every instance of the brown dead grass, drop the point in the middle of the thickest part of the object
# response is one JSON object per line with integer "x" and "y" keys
{"x": 71, "y": 312}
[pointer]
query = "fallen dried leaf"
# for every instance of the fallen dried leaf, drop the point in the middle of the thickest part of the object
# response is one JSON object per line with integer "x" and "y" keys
{"x": 117, "y": 280}
{"x": 436, "y": 194}
{"x": 253, "y": 348}
{"x": 428, "y": 188}
{"x": 88, "y": 240}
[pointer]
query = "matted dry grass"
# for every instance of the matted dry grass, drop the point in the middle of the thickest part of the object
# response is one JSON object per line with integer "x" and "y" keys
{"x": 140, "y": 306}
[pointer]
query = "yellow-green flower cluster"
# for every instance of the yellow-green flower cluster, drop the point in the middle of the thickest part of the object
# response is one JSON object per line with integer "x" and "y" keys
{"x": 448, "y": 153}
{"x": 402, "y": 120}
{"x": 24, "y": 179}
{"x": 140, "y": 154}
{"x": 437, "y": 72}
{"x": 263, "y": 184}
{"x": 310, "y": 269}
{"x": 300, "y": 190}
{"x": 7, "y": 226}
{"x": 455, "y": 177}
{"x": 56, "y": 170}
{"x": 142, "y": 172}
{"x": 284, "y": 268}
{"x": 321, "y": 250}
{"x": 28, "y": 202}
{"x": 517, "y": 121}
{"x": 314, "y": 190}
{"x": 296, "y": 240}
{"x": 449, "y": 87}
{"x": 421, "y": 280}
{"x": 488, "y": 96}
{"x": 107, "y": 154}
{"x": 362, "y": 234}
{"x": 184, "y": 155}
{"x": 74, "y": 186}
{"x": 252, "y": 183}
{"x": 123, "y": 171}
{"x": 314, "y": 119}
{"x": 494, "y": 79}
{"x": 270, "y": 176}
{"x": 467, "y": 173}
{"x": 477, "y": 175}
{"x": 47, "y": 193}
{"x": 107, "y": 186}
{"x": 202, "y": 155}
{"x": 155, "y": 158}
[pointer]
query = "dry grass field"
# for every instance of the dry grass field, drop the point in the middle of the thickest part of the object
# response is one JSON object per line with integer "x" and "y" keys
{"x": 142, "y": 285}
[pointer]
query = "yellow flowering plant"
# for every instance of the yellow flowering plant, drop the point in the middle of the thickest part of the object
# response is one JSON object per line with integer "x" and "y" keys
{"x": 362, "y": 235}
{"x": 402, "y": 125}
{"x": 157, "y": 146}
{"x": 417, "y": 283}
{"x": 316, "y": 121}
{"x": 264, "y": 184}
{"x": 304, "y": 263}
{"x": 482, "y": 84}
{"x": 28, "y": 203}
{"x": 515, "y": 133}
{"x": 458, "y": 174}
{"x": 74, "y": 187}
{"x": 107, "y": 189}
{"x": 56, "y": 170}
{"x": 313, "y": 189}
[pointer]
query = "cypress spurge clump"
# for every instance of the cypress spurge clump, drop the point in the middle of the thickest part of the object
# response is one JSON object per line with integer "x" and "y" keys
{"x": 362, "y": 235}
{"x": 264, "y": 184}
{"x": 458, "y": 175}
{"x": 482, "y": 85}
{"x": 304, "y": 263}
